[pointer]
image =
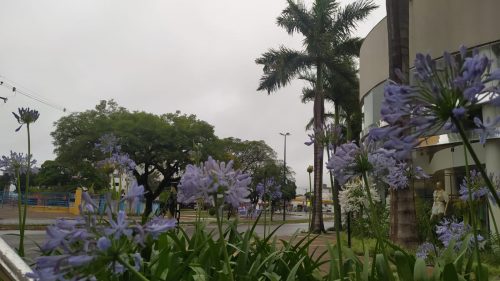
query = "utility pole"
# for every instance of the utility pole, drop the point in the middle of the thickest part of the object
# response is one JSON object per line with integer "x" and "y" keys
{"x": 284, "y": 174}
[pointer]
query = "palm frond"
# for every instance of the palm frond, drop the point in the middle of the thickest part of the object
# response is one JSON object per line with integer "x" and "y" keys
{"x": 295, "y": 18}
{"x": 308, "y": 94}
{"x": 348, "y": 47}
{"x": 310, "y": 124}
{"x": 347, "y": 17}
{"x": 281, "y": 66}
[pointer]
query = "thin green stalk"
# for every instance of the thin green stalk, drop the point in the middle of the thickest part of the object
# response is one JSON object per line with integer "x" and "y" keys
{"x": 222, "y": 240}
{"x": 26, "y": 191}
{"x": 337, "y": 227}
{"x": 20, "y": 211}
{"x": 132, "y": 269}
{"x": 494, "y": 221}
{"x": 472, "y": 212}
{"x": 375, "y": 222}
{"x": 479, "y": 166}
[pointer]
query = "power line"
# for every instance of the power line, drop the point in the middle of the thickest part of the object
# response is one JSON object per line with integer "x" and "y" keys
{"x": 15, "y": 89}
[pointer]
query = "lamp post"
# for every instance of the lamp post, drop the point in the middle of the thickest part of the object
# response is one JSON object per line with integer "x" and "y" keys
{"x": 310, "y": 169}
{"x": 284, "y": 173}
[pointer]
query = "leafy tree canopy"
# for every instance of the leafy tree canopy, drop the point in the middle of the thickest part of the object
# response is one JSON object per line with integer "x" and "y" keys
{"x": 161, "y": 145}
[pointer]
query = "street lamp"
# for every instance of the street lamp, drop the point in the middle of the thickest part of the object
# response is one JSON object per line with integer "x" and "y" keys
{"x": 310, "y": 169}
{"x": 284, "y": 173}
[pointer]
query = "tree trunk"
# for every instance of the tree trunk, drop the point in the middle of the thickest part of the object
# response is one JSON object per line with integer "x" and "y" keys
{"x": 403, "y": 218}
{"x": 335, "y": 183}
{"x": 398, "y": 36}
{"x": 402, "y": 215}
{"x": 317, "y": 225}
{"x": 149, "y": 204}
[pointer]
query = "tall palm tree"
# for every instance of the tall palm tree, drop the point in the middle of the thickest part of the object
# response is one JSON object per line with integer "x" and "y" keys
{"x": 325, "y": 26}
{"x": 402, "y": 215}
{"x": 342, "y": 91}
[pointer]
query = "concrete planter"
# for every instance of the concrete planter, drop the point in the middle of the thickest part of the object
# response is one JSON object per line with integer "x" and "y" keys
{"x": 12, "y": 266}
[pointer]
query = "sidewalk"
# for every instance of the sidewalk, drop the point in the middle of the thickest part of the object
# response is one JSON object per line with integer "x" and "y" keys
{"x": 9, "y": 216}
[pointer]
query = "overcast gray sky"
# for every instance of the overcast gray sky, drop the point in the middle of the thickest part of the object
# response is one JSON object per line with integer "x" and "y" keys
{"x": 157, "y": 56}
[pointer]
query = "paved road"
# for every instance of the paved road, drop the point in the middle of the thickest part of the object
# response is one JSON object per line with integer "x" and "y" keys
{"x": 37, "y": 237}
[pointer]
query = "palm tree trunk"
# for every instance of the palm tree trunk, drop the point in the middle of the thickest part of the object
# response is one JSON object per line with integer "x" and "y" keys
{"x": 335, "y": 183}
{"x": 317, "y": 225}
{"x": 402, "y": 215}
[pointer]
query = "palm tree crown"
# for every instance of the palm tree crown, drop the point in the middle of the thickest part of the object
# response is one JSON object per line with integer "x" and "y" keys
{"x": 326, "y": 28}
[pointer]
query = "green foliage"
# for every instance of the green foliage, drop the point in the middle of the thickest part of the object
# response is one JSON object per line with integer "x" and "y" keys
{"x": 179, "y": 256}
{"x": 363, "y": 228}
{"x": 425, "y": 228}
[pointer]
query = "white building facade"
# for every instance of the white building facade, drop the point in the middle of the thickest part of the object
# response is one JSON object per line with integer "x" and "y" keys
{"x": 435, "y": 27}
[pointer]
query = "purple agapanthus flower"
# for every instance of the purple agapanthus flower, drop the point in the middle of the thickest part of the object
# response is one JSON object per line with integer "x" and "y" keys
{"x": 80, "y": 260}
{"x": 88, "y": 204}
{"x": 441, "y": 98}
{"x": 26, "y": 116}
{"x": 424, "y": 250}
{"x": 16, "y": 162}
{"x": 79, "y": 246}
{"x": 269, "y": 190}
{"x": 330, "y": 135}
{"x": 212, "y": 178}
{"x": 108, "y": 143}
{"x": 475, "y": 185}
{"x": 449, "y": 230}
{"x": 103, "y": 243}
{"x": 351, "y": 160}
{"x": 158, "y": 225}
{"x": 119, "y": 226}
{"x": 134, "y": 195}
{"x": 119, "y": 161}
{"x": 487, "y": 128}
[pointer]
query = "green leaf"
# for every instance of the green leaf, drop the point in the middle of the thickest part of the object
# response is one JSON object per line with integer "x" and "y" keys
{"x": 449, "y": 273}
{"x": 273, "y": 276}
{"x": 200, "y": 274}
{"x": 381, "y": 266}
{"x": 291, "y": 275}
{"x": 482, "y": 273}
{"x": 403, "y": 266}
{"x": 420, "y": 271}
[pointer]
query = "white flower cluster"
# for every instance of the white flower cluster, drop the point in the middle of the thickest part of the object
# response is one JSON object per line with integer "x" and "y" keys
{"x": 353, "y": 198}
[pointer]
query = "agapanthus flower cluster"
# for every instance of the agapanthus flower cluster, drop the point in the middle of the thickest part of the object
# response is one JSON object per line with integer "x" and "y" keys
{"x": 120, "y": 162}
{"x": 331, "y": 135}
{"x": 475, "y": 185}
{"x": 449, "y": 230}
{"x": 17, "y": 162}
{"x": 212, "y": 179}
{"x": 269, "y": 190}
{"x": 108, "y": 143}
{"x": 442, "y": 98}
{"x": 89, "y": 246}
{"x": 26, "y": 116}
{"x": 351, "y": 161}
{"x": 425, "y": 249}
{"x": 352, "y": 198}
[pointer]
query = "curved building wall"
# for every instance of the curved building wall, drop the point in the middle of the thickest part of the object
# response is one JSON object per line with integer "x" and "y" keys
{"x": 435, "y": 26}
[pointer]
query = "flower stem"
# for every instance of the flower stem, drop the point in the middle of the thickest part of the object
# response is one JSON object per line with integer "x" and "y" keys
{"x": 494, "y": 221}
{"x": 26, "y": 193}
{"x": 132, "y": 269}
{"x": 222, "y": 240}
{"x": 479, "y": 166}
{"x": 472, "y": 211}
{"x": 20, "y": 211}
{"x": 375, "y": 222}
{"x": 337, "y": 227}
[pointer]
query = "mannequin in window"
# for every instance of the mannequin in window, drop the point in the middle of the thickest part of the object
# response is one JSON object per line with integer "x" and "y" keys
{"x": 440, "y": 201}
